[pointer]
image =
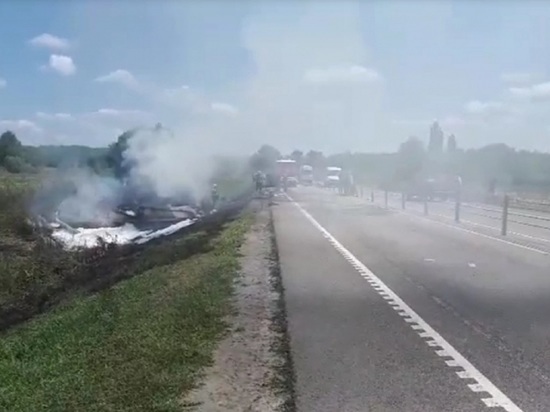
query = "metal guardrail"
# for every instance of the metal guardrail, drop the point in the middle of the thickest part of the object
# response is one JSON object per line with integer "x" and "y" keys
{"x": 508, "y": 212}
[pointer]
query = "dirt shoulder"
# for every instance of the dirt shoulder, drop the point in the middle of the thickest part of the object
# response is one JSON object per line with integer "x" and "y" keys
{"x": 252, "y": 366}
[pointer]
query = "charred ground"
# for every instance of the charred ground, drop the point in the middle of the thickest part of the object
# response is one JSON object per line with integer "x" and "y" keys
{"x": 37, "y": 273}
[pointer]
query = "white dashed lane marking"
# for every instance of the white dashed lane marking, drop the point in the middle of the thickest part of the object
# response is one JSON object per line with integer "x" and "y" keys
{"x": 453, "y": 359}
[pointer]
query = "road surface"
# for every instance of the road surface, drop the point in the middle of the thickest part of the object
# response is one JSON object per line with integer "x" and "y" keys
{"x": 393, "y": 311}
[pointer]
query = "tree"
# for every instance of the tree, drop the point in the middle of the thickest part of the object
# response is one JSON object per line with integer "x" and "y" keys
{"x": 315, "y": 159}
{"x": 9, "y": 145}
{"x": 265, "y": 158}
{"x": 451, "y": 144}
{"x": 411, "y": 158}
{"x": 297, "y": 156}
{"x": 435, "y": 144}
{"x": 14, "y": 164}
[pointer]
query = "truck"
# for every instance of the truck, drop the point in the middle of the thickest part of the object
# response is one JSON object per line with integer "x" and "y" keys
{"x": 306, "y": 175}
{"x": 333, "y": 176}
{"x": 287, "y": 169}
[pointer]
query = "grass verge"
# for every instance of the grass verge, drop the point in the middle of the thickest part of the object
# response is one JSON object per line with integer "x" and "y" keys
{"x": 138, "y": 346}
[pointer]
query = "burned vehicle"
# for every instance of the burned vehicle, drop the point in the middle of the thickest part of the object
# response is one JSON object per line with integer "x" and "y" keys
{"x": 123, "y": 207}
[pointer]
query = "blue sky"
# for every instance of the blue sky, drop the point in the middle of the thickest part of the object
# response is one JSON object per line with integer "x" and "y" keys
{"x": 319, "y": 74}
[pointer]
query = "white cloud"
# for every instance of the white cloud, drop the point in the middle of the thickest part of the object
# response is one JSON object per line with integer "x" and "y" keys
{"x": 53, "y": 116}
{"x": 116, "y": 112}
{"x": 61, "y": 64}
{"x": 49, "y": 41}
{"x": 342, "y": 74}
{"x": 20, "y": 125}
{"x": 179, "y": 97}
{"x": 485, "y": 108}
{"x": 98, "y": 127}
{"x": 517, "y": 78}
{"x": 3, "y": 83}
{"x": 537, "y": 92}
{"x": 120, "y": 76}
{"x": 121, "y": 118}
{"x": 224, "y": 108}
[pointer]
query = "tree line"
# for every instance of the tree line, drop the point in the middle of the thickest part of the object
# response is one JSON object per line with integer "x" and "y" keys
{"x": 495, "y": 164}
{"x": 18, "y": 158}
{"x": 512, "y": 169}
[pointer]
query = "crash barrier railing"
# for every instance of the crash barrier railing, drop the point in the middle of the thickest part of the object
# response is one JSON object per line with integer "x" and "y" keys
{"x": 510, "y": 211}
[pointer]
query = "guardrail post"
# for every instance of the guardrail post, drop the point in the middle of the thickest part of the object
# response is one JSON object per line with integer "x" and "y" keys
{"x": 457, "y": 206}
{"x": 403, "y": 200}
{"x": 425, "y": 204}
{"x": 505, "y": 205}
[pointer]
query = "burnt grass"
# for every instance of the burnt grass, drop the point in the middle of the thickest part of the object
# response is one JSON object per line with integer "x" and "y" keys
{"x": 36, "y": 274}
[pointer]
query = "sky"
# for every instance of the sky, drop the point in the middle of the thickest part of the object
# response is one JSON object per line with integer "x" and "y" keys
{"x": 322, "y": 75}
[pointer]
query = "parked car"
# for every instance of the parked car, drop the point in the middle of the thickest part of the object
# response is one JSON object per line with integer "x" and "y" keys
{"x": 292, "y": 181}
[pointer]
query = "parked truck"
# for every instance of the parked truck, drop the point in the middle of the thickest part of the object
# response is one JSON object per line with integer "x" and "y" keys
{"x": 287, "y": 172}
{"x": 333, "y": 176}
{"x": 306, "y": 175}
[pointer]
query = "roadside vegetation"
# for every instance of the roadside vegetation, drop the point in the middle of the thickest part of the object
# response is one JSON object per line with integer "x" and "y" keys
{"x": 110, "y": 328}
{"x": 37, "y": 274}
{"x": 138, "y": 346}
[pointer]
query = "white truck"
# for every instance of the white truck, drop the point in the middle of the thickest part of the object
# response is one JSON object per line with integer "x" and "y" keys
{"x": 306, "y": 175}
{"x": 333, "y": 176}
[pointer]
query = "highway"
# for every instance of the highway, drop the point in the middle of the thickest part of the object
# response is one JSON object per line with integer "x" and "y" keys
{"x": 391, "y": 310}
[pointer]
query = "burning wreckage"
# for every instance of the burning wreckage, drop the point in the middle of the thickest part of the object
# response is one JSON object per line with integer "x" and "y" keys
{"x": 91, "y": 210}
{"x": 139, "y": 220}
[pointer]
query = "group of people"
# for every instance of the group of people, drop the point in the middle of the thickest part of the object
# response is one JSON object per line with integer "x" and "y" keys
{"x": 260, "y": 180}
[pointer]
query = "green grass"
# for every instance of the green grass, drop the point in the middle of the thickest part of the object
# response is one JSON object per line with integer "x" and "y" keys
{"x": 139, "y": 346}
{"x": 36, "y": 275}
{"x": 20, "y": 180}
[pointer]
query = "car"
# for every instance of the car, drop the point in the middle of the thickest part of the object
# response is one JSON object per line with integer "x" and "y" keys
{"x": 292, "y": 181}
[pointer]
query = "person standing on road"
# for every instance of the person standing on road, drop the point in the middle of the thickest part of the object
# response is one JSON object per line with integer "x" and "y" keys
{"x": 258, "y": 181}
{"x": 215, "y": 195}
{"x": 284, "y": 182}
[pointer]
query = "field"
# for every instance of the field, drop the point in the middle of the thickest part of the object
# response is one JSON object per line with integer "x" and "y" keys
{"x": 139, "y": 346}
{"x": 110, "y": 328}
{"x": 36, "y": 274}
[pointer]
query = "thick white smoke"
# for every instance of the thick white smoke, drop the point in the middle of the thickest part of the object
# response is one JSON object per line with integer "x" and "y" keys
{"x": 91, "y": 199}
{"x": 170, "y": 162}
{"x": 313, "y": 82}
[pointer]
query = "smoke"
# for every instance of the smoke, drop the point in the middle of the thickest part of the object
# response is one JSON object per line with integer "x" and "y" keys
{"x": 93, "y": 200}
{"x": 78, "y": 195}
{"x": 169, "y": 163}
{"x": 313, "y": 83}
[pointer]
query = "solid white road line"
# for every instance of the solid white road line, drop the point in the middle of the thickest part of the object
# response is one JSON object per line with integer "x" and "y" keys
{"x": 432, "y": 338}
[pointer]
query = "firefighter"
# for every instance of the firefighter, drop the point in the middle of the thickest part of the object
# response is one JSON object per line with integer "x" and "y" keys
{"x": 215, "y": 195}
{"x": 284, "y": 182}
{"x": 257, "y": 178}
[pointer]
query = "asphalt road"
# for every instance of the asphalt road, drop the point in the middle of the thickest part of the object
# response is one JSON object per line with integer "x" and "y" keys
{"x": 394, "y": 311}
